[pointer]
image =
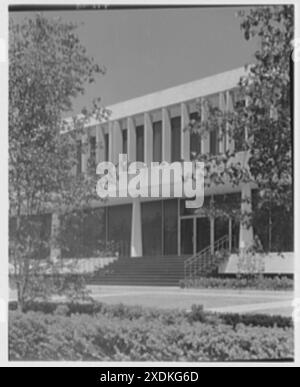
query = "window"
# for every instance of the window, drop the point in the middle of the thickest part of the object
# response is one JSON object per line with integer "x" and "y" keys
{"x": 152, "y": 225}
{"x": 119, "y": 228}
{"x": 176, "y": 139}
{"x": 203, "y": 233}
{"x": 213, "y": 142}
{"x": 125, "y": 142}
{"x": 106, "y": 146}
{"x": 213, "y": 102}
{"x": 140, "y": 143}
{"x": 170, "y": 212}
{"x": 187, "y": 237}
{"x": 83, "y": 233}
{"x": 221, "y": 227}
{"x": 239, "y": 104}
{"x": 93, "y": 152}
{"x": 195, "y": 139}
{"x": 157, "y": 141}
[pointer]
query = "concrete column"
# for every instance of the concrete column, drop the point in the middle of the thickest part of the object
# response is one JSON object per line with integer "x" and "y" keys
{"x": 166, "y": 136}
{"x": 84, "y": 152}
{"x": 148, "y": 137}
{"x": 229, "y": 107}
{"x": 246, "y": 233}
{"x": 185, "y": 134}
{"x": 100, "y": 144}
{"x": 118, "y": 142}
{"x": 205, "y": 141}
{"x": 131, "y": 138}
{"x": 221, "y": 135}
{"x": 55, "y": 251}
{"x": 136, "y": 230}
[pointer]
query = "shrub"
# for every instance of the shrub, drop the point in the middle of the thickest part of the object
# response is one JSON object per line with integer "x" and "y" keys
{"x": 252, "y": 282}
{"x": 197, "y": 314}
{"x": 62, "y": 310}
{"x": 258, "y": 320}
{"x": 35, "y": 336}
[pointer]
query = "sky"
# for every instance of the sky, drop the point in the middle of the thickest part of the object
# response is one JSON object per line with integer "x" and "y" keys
{"x": 147, "y": 50}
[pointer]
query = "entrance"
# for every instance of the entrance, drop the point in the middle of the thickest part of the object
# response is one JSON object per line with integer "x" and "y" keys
{"x": 198, "y": 233}
{"x": 203, "y": 233}
{"x": 195, "y": 234}
{"x": 187, "y": 237}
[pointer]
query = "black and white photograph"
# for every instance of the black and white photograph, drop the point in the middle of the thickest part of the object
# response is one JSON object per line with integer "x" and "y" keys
{"x": 150, "y": 159}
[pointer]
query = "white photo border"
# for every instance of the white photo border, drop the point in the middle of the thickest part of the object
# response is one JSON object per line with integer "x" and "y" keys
{"x": 4, "y": 287}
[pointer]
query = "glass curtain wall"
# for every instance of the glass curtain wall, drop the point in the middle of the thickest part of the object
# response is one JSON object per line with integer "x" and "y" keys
{"x": 160, "y": 228}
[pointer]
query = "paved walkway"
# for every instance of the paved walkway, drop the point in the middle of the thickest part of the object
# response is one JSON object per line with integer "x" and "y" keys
{"x": 233, "y": 301}
{"x": 217, "y": 300}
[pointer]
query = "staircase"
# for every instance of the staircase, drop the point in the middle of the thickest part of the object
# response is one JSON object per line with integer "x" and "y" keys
{"x": 207, "y": 261}
{"x": 142, "y": 271}
{"x": 162, "y": 271}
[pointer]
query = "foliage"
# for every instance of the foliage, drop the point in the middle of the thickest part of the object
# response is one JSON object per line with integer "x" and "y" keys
{"x": 34, "y": 336}
{"x": 260, "y": 320}
{"x": 267, "y": 115}
{"x": 251, "y": 260}
{"x": 44, "y": 281}
{"x": 260, "y": 121}
{"x": 259, "y": 282}
{"x": 168, "y": 317}
{"x": 82, "y": 234}
{"x": 120, "y": 311}
{"x": 48, "y": 68}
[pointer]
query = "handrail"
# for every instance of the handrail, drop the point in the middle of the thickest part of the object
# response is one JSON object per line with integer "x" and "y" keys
{"x": 203, "y": 259}
{"x": 208, "y": 248}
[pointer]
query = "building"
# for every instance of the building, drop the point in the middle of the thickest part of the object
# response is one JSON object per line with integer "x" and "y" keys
{"x": 152, "y": 128}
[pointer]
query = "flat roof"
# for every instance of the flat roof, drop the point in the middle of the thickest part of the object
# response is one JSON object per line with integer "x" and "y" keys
{"x": 178, "y": 94}
{"x": 174, "y": 95}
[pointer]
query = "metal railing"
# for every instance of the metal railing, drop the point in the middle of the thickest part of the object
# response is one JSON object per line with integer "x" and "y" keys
{"x": 207, "y": 259}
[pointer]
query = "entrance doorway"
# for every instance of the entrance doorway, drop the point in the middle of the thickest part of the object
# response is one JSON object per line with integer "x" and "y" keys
{"x": 221, "y": 227}
{"x": 187, "y": 236}
{"x": 203, "y": 233}
{"x": 198, "y": 233}
{"x": 195, "y": 234}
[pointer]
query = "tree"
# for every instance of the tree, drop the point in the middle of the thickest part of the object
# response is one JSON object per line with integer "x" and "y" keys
{"x": 262, "y": 125}
{"x": 48, "y": 68}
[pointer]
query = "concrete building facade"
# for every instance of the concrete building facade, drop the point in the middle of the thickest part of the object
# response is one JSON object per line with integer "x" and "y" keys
{"x": 153, "y": 128}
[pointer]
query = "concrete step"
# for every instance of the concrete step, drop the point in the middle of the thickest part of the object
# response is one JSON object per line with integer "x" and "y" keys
{"x": 130, "y": 283}
{"x": 164, "y": 271}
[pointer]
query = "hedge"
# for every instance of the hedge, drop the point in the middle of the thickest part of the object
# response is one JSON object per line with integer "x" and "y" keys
{"x": 257, "y": 283}
{"x": 36, "y": 336}
{"x": 121, "y": 311}
{"x": 258, "y": 320}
